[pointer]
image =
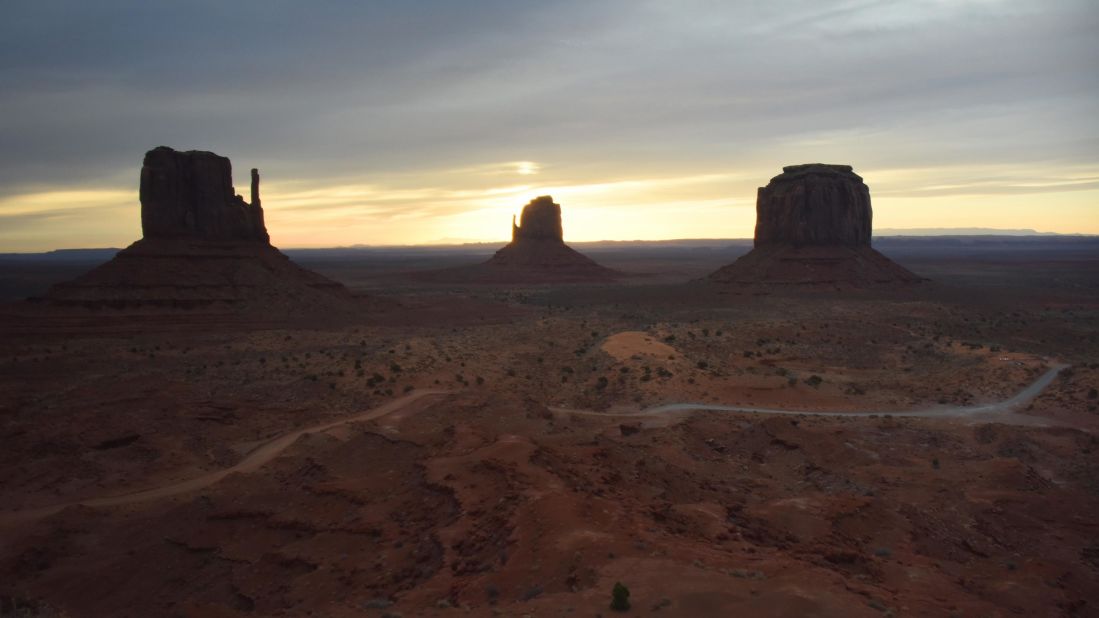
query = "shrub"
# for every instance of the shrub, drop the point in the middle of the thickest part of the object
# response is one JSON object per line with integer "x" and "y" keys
{"x": 620, "y": 597}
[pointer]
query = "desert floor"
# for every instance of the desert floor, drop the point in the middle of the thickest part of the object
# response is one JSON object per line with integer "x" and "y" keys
{"x": 428, "y": 457}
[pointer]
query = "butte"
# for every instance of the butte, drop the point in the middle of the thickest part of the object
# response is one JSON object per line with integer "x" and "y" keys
{"x": 202, "y": 246}
{"x": 813, "y": 225}
{"x": 536, "y": 254}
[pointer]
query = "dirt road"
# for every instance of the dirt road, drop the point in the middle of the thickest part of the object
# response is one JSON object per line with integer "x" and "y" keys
{"x": 251, "y": 462}
{"x": 1001, "y": 411}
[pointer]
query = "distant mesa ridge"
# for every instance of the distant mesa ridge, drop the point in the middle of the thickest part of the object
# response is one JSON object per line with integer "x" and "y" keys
{"x": 202, "y": 246}
{"x": 813, "y": 226}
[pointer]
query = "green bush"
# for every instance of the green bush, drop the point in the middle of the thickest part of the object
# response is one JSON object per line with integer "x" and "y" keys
{"x": 620, "y": 597}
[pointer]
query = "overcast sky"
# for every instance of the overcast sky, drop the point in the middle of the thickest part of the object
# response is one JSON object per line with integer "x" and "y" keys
{"x": 409, "y": 121}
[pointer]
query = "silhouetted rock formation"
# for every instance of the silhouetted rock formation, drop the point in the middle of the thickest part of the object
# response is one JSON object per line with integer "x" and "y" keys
{"x": 538, "y": 253}
{"x": 813, "y": 225}
{"x": 540, "y": 220}
{"x": 814, "y": 204}
{"x": 191, "y": 195}
{"x": 203, "y": 246}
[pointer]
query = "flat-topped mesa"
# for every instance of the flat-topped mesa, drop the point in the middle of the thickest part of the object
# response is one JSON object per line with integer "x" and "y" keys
{"x": 190, "y": 195}
{"x": 813, "y": 228}
{"x": 815, "y": 204}
{"x": 540, "y": 220}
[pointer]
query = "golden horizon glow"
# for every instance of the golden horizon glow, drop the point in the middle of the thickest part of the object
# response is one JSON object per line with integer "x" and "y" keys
{"x": 476, "y": 204}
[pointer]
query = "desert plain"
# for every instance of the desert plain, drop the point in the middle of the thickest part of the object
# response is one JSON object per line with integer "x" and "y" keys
{"x": 452, "y": 449}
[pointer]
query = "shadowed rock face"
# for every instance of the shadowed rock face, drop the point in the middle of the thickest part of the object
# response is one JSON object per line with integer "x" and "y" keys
{"x": 537, "y": 251}
{"x": 536, "y": 254}
{"x": 190, "y": 195}
{"x": 540, "y": 220}
{"x": 204, "y": 248}
{"x": 814, "y": 204}
{"x": 813, "y": 225}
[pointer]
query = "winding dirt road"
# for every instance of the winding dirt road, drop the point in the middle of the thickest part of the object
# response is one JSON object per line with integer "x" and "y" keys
{"x": 1001, "y": 411}
{"x": 253, "y": 461}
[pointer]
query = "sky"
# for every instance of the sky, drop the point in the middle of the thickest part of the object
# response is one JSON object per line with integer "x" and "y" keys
{"x": 423, "y": 121}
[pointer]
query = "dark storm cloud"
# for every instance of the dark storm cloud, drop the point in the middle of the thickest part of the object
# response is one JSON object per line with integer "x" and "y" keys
{"x": 308, "y": 90}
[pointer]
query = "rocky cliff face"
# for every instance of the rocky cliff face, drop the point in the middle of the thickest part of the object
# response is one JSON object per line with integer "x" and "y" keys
{"x": 190, "y": 195}
{"x": 204, "y": 248}
{"x": 812, "y": 205}
{"x": 813, "y": 225}
{"x": 540, "y": 220}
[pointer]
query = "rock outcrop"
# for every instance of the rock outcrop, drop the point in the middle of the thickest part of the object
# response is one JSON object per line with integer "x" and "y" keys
{"x": 191, "y": 195}
{"x": 536, "y": 254}
{"x": 814, "y": 204}
{"x": 203, "y": 246}
{"x": 813, "y": 226}
{"x": 540, "y": 220}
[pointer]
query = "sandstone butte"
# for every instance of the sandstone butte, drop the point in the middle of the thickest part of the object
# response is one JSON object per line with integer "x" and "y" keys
{"x": 202, "y": 245}
{"x": 813, "y": 227}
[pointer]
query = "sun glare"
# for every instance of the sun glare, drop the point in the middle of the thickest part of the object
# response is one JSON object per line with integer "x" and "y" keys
{"x": 526, "y": 168}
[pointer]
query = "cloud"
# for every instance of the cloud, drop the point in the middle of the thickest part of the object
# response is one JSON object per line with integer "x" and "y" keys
{"x": 429, "y": 99}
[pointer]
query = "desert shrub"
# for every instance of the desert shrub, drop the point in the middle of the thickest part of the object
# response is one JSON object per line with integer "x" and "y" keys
{"x": 814, "y": 380}
{"x": 620, "y": 597}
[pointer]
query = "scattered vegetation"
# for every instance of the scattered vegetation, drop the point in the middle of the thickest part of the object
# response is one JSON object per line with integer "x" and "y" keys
{"x": 620, "y": 597}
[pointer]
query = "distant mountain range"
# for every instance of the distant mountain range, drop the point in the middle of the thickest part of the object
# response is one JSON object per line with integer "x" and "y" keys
{"x": 958, "y": 231}
{"x": 466, "y": 245}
